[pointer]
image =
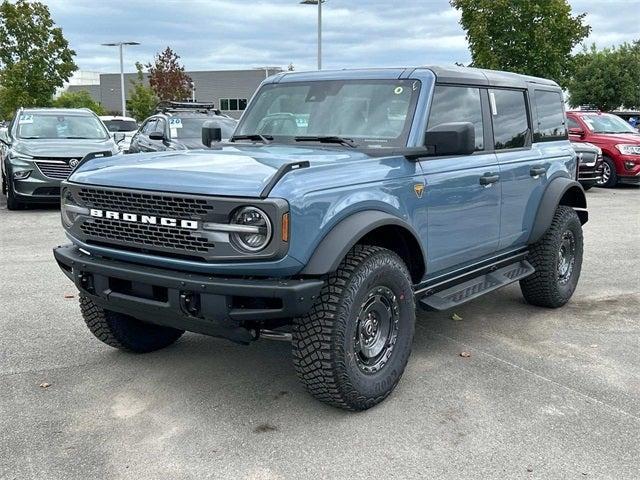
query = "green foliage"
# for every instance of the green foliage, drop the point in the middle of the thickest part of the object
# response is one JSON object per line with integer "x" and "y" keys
{"x": 35, "y": 58}
{"x": 80, "y": 99}
{"x": 608, "y": 78}
{"x": 142, "y": 99}
{"x": 522, "y": 36}
{"x": 168, "y": 78}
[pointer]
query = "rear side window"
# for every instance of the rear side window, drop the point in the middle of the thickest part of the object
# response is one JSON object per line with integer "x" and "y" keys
{"x": 510, "y": 121}
{"x": 457, "y": 104}
{"x": 551, "y": 124}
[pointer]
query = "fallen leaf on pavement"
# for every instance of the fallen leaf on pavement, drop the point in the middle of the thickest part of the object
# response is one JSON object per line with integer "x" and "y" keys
{"x": 456, "y": 317}
{"x": 69, "y": 295}
{"x": 465, "y": 354}
{"x": 594, "y": 345}
{"x": 45, "y": 385}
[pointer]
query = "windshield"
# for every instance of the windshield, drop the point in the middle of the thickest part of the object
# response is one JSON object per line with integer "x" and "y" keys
{"x": 607, "y": 123}
{"x": 120, "y": 125}
{"x": 59, "y": 126}
{"x": 373, "y": 113}
{"x": 186, "y": 127}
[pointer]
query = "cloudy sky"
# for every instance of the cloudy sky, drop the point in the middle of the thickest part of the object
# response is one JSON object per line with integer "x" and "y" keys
{"x": 229, "y": 34}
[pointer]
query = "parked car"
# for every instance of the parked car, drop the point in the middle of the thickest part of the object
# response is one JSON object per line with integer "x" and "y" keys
{"x": 124, "y": 125}
{"x": 589, "y": 164}
{"x": 619, "y": 141}
{"x": 343, "y": 200}
{"x": 43, "y": 146}
{"x": 178, "y": 126}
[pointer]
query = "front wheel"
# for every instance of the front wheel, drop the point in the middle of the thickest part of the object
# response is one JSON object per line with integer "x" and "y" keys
{"x": 124, "y": 332}
{"x": 557, "y": 259}
{"x": 609, "y": 177}
{"x": 352, "y": 348}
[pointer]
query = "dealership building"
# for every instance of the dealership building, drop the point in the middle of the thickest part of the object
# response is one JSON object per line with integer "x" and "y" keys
{"x": 229, "y": 90}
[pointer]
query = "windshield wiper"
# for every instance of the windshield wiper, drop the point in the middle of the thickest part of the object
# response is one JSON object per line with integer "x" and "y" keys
{"x": 256, "y": 137}
{"x": 327, "y": 139}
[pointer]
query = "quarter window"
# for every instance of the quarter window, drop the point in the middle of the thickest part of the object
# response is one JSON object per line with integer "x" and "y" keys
{"x": 510, "y": 121}
{"x": 551, "y": 124}
{"x": 457, "y": 104}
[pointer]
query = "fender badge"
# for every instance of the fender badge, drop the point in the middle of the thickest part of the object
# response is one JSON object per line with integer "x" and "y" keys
{"x": 419, "y": 189}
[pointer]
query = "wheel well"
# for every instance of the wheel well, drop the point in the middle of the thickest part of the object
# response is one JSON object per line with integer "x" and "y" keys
{"x": 403, "y": 243}
{"x": 574, "y": 197}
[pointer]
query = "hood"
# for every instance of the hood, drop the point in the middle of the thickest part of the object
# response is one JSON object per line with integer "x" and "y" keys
{"x": 241, "y": 171}
{"x": 191, "y": 143}
{"x": 64, "y": 148}
{"x": 610, "y": 138}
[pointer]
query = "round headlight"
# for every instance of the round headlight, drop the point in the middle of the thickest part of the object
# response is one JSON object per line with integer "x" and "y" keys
{"x": 255, "y": 229}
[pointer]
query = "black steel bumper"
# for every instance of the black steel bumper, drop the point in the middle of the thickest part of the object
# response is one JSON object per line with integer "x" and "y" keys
{"x": 199, "y": 303}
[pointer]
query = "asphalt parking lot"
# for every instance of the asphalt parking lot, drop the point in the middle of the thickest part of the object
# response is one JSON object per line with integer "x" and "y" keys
{"x": 544, "y": 394}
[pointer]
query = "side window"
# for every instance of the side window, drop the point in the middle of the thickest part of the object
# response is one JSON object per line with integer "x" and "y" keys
{"x": 457, "y": 104}
{"x": 510, "y": 121}
{"x": 551, "y": 124}
{"x": 160, "y": 126}
{"x": 571, "y": 123}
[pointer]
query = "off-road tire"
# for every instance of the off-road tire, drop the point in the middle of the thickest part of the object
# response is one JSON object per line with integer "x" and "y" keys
{"x": 324, "y": 354}
{"x": 544, "y": 288}
{"x": 124, "y": 332}
{"x": 613, "y": 176}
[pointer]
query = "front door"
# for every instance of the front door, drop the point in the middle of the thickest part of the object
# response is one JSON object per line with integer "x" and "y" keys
{"x": 463, "y": 192}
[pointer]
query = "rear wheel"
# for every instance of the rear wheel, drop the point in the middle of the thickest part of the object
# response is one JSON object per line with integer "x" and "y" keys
{"x": 352, "y": 348}
{"x": 124, "y": 332}
{"x": 609, "y": 177}
{"x": 557, "y": 258}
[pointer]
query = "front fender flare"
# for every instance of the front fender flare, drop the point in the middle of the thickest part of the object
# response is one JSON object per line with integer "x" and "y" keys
{"x": 336, "y": 244}
{"x": 560, "y": 191}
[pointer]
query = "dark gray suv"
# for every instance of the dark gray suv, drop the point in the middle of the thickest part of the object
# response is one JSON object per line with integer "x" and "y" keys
{"x": 43, "y": 146}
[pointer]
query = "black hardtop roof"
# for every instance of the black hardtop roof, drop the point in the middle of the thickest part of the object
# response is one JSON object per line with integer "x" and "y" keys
{"x": 481, "y": 76}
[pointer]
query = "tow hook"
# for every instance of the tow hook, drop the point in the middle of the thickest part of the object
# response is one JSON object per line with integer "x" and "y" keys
{"x": 190, "y": 303}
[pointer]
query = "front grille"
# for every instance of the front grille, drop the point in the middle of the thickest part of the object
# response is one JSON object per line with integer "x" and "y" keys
{"x": 152, "y": 236}
{"x": 186, "y": 208}
{"x": 58, "y": 171}
{"x": 143, "y": 236}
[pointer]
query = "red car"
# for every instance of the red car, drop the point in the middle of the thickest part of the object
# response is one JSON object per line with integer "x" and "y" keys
{"x": 619, "y": 141}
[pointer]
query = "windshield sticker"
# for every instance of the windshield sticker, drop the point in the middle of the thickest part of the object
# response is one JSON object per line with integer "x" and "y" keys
{"x": 175, "y": 123}
{"x": 398, "y": 90}
{"x": 174, "y": 132}
{"x": 26, "y": 118}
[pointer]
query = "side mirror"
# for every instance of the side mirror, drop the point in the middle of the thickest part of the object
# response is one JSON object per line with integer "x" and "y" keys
{"x": 118, "y": 137}
{"x": 455, "y": 138}
{"x": 210, "y": 133}
{"x": 156, "y": 136}
{"x": 4, "y": 136}
{"x": 576, "y": 131}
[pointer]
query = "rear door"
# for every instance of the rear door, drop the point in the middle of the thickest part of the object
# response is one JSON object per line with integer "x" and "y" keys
{"x": 463, "y": 192}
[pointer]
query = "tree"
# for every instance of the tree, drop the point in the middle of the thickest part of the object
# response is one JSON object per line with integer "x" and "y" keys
{"x": 522, "y": 36}
{"x": 142, "y": 100}
{"x": 606, "y": 79}
{"x": 80, "y": 99}
{"x": 35, "y": 58}
{"x": 167, "y": 77}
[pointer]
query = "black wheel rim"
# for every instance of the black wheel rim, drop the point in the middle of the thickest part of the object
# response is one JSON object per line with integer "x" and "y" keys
{"x": 376, "y": 329}
{"x": 606, "y": 173}
{"x": 566, "y": 257}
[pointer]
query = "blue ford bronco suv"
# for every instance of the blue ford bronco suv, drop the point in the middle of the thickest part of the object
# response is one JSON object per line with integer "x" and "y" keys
{"x": 343, "y": 200}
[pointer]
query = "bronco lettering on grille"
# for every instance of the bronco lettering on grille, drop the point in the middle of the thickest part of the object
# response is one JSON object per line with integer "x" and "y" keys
{"x": 149, "y": 219}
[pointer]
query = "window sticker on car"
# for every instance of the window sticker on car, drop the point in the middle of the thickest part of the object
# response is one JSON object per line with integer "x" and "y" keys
{"x": 174, "y": 132}
{"x": 175, "y": 123}
{"x": 398, "y": 90}
{"x": 26, "y": 118}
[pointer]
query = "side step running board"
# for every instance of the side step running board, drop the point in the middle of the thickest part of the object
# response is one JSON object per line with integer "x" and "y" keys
{"x": 463, "y": 292}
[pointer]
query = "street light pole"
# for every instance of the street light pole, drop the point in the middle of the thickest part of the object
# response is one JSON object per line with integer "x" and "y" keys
{"x": 120, "y": 46}
{"x": 319, "y": 3}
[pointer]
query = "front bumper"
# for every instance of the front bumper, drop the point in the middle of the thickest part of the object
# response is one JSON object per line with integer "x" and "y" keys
{"x": 199, "y": 303}
{"x": 37, "y": 188}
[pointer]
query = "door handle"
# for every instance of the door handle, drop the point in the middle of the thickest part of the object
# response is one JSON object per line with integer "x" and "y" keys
{"x": 487, "y": 180}
{"x": 537, "y": 171}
